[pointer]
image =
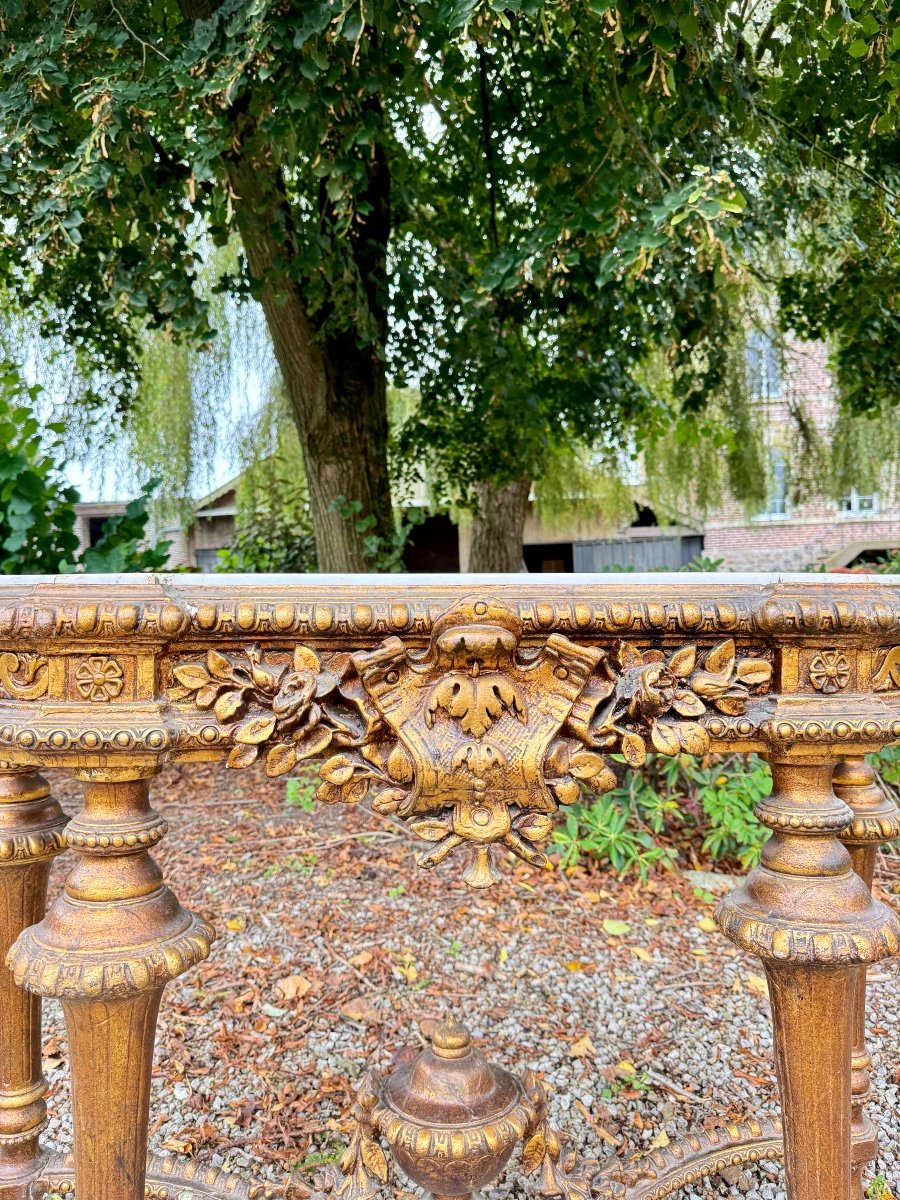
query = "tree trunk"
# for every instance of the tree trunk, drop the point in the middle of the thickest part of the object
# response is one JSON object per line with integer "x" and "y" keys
{"x": 336, "y": 386}
{"x": 498, "y": 527}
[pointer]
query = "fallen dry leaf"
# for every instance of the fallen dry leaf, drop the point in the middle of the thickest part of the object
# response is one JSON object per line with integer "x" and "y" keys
{"x": 582, "y": 1048}
{"x": 360, "y": 1008}
{"x": 615, "y": 927}
{"x": 661, "y": 1139}
{"x": 758, "y": 985}
{"x": 362, "y": 959}
{"x": 708, "y": 925}
{"x": 641, "y": 953}
{"x": 293, "y": 987}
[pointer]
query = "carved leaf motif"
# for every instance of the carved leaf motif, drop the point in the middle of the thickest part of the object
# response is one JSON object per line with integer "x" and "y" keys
{"x": 431, "y": 829}
{"x": 313, "y": 742}
{"x": 888, "y": 674}
{"x": 629, "y": 656}
{"x": 683, "y": 661}
{"x": 709, "y": 685}
{"x": 604, "y": 781}
{"x": 192, "y": 676}
{"x": 357, "y": 790}
{"x": 389, "y": 800}
{"x": 567, "y": 791}
{"x": 665, "y": 738}
{"x": 686, "y": 704}
{"x": 280, "y": 760}
{"x": 374, "y": 1159}
{"x": 694, "y": 738}
{"x": 533, "y": 1152}
{"x": 721, "y": 658}
{"x": 337, "y": 770}
{"x": 242, "y": 756}
{"x": 475, "y": 702}
{"x": 255, "y": 730}
{"x": 306, "y": 659}
{"x": 263, "y": 677}
{"x": 207, "y": 695}
{"x": 219, "y": 666}
{"x": 228, "y": 706}
{"x": 585, "y": 765}
{"x": 535, "y": 826}
{"x": 634, "y": 749}
{"x": 398, "y": 764}
{"x": 754, "y": 671}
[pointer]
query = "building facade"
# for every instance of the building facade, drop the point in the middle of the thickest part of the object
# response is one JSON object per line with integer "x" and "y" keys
{"x": 781, "y": 537}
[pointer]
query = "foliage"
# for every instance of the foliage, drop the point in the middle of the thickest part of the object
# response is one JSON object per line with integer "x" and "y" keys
{"x": 272, "y": 530}
{"x": 122, "y": 544}
{"x": 382, "y": 554}
{"x": 37, "y": 513}
{"x": 565, "y": 189}
{"x": 887, "y": 764}
{"x": 879, "y": 1189}
{"x": 658, "y": 813}
{"x": 37, "y": 509}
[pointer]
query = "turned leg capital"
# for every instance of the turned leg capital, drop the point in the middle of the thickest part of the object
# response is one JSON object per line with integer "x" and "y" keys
{"x": 32, "y": 828}
{"x": 106, "y": 949}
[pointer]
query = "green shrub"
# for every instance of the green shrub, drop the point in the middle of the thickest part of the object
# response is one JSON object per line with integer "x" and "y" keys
{"x": 674, "y": 806}
{"x": 37, "y": 508}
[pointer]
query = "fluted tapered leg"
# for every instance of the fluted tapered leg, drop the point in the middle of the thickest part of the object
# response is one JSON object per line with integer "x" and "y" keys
{"x": 106, "y": 949}
{"x": 876, "y": 819}
{"x": 814, "y": 923}
{"x": 31, "y": 834}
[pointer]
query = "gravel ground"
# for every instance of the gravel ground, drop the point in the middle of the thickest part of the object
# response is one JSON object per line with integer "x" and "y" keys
{"x": 335, "y": 951}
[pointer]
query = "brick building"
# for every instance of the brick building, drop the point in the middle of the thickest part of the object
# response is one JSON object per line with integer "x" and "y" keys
{"x": 783, "y": 536}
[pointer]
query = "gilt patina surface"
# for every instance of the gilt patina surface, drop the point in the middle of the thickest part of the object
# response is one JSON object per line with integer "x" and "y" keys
{"x": 472, "y": 709}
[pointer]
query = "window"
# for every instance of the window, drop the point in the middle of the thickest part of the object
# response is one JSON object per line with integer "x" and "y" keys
{"x": 207, "y": 560}
{"x": 859, "y": 506}
{"x": 95, "y": 529}
{"x": 776, "y": 501}
{"x": 763, "y": 365}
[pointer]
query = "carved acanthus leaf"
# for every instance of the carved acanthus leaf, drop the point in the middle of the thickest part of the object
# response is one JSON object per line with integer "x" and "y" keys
{"x": 23, "y": 676}
{"x": 887, "y": 670}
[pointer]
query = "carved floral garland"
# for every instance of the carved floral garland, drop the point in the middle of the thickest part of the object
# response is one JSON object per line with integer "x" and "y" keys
{"x": 438, "y": 746}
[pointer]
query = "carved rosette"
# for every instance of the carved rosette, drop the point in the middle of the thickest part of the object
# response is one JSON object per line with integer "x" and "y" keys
{"x": 476, "y": 739}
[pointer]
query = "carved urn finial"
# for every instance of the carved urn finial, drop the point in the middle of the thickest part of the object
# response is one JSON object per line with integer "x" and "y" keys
{"x": 451, "y": 1118}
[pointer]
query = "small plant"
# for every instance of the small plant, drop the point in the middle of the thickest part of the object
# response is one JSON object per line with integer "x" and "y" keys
{"x": 396, "y": 891}
{"x": 300, "y": 793}
{"x": 641, "y": 825}
{"x": 878, "y": 1189}
{"x": 382, "y": 554}
{"x": 887, "y": 763}
{"x": 728, "y": 794}
{"x": 602, "y": 830}
{"x": 628, "y": 1080}
{"x": 454, "y": 950}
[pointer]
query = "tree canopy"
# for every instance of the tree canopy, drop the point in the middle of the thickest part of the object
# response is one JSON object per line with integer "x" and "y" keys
{"x": 516, "y": 206}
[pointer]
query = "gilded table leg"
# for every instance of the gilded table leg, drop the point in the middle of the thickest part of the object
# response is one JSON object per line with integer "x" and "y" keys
{"x": 31, "y": 833}
{"x": 814, "y": 922}
{"x": 106, "y": 949}
{"x": 876, "y": 819}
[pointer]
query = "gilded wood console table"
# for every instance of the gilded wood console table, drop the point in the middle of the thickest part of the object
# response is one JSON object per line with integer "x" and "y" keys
{"x": 470, "y": 708}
